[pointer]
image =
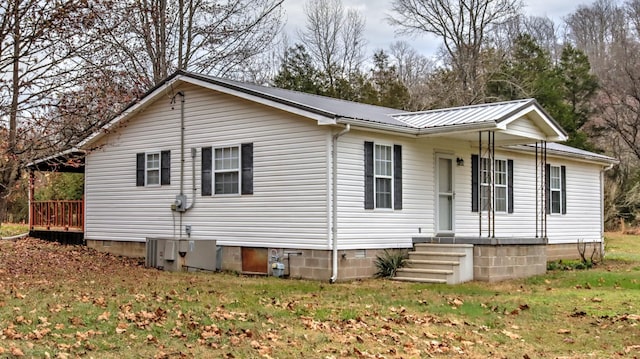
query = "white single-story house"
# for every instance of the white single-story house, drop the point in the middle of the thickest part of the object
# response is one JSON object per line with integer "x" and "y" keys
{"x": 324, "y": 185}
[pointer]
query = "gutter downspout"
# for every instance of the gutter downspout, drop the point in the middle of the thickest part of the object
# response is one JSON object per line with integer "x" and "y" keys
{"x": 334, "y": 202}
{"x": 181, "y": 93}
{"x": 193, "y": 179}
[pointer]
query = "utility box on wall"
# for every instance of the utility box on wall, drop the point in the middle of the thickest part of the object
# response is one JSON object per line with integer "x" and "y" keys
{"x": 180, "y": 254}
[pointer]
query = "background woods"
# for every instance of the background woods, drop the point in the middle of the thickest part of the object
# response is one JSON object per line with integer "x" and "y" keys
{"x": 66, "y": 67}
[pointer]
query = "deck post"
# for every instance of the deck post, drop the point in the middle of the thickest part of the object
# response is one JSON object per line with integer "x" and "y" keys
{"x": 31, "y": 198}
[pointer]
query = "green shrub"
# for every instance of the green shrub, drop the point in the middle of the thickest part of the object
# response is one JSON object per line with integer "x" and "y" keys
{"x": 389, "y": 262}
{"x": 569, "y": 265}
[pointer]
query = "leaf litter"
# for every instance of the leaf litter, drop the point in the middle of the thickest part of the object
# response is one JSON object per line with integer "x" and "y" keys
{"x": 100, "y": 305}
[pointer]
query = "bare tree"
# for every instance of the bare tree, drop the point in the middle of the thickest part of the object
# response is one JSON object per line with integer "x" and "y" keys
{"x": 39, "y": 44}
{"x": 334, "y": 38}
{"x": 413, "y": 70}
{"x": 150, "y": 39}
{"x": 543, "y": 30}
{"x": 462, "y": 25}
{"x": 594, "y": 28}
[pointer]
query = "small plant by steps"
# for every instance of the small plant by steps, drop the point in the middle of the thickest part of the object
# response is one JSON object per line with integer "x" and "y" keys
{"x": 388, "y": 263}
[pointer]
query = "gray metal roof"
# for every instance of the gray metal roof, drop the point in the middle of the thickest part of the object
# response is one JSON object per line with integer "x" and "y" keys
{"x": 466, "y": 115}
{"x": 321, "y": 104}
{"x": 565, "y": 150}
{"x": 374, "y": 116}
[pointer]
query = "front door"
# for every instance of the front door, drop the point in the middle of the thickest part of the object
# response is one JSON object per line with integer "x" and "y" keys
{"x": 445, "y": 194}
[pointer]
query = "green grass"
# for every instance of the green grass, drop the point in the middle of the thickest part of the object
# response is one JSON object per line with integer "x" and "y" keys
{"x": 622, "y": 247}
{"x": 12, "y": 229}
{"x": 53, "y": 301}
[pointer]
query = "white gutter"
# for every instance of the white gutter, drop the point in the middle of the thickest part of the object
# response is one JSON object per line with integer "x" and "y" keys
{"x": 419, "y": 132}
{"x": 334, "y": 202}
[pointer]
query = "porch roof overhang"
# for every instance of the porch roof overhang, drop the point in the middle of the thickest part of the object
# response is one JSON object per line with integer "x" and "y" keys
{"x": 560, "y": 150}
{"x": 513, "y": 122}
{"x": 70, "y": 161}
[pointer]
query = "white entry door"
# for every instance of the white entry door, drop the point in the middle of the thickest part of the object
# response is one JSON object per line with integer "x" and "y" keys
{"x": 445, "y": 194}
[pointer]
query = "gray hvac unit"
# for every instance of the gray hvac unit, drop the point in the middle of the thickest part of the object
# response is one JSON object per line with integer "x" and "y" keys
{"x": 180, "y": 254}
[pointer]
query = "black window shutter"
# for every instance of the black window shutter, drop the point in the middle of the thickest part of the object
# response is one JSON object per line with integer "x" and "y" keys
{"x": 140, "y": 158}
{"x": 368, "y": 175}
{"x": 510, "y": 186}
{"x": 475, "y": 198}
{"x": 563, "y": 183}
{"x": 547, "y": 188}
{"x": 247, "y": 168}
{"x": 206, "y": 171}
{"x": 165, "y": 167}
{"x": 397, "y": 177}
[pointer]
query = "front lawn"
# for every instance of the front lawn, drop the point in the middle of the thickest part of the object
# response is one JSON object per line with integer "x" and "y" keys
{"x": 67, "y": 302}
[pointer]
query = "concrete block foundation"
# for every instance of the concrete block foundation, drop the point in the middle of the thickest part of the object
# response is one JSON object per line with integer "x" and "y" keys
{"x": 125, "y": 249}
{"x": 493, "y": 263}
{"x": 311, "y": 263}
{"x": 570, "y": 251}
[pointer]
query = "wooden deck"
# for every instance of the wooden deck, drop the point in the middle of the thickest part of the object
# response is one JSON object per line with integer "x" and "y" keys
{"x": 57, "y": 216}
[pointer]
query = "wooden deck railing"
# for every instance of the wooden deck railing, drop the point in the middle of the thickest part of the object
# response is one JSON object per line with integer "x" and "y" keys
{"x": 57, "y": 215}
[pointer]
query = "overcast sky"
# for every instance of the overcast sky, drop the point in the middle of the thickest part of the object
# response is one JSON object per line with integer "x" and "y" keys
{"x": 380, "y": 35}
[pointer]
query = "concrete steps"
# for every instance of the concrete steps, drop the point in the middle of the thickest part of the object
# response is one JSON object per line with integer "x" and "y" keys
{"x": 438, "y": 263}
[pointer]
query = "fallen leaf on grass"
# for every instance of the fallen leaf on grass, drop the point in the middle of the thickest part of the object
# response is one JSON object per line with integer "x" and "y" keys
{"x": 104, "y": 316}
{"x": 17, "y": 352}
{"x": 76, "y": 321}
{"x": 596, "y": 300}
{"x": 568, "y": 340}
{"x": 632, "y": 348}
{"x": 430, "y": 336}
{"x": 563, "y": 331}
{"x": 511, "y": 335}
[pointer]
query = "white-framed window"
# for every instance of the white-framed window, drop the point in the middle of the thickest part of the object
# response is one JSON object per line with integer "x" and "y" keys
{"x": 152, "y": 168}
{"x": 485, "y": 184}
{"x": 500, "y": 186}
{"x": 555, "y": 189}
{"x": 226, "y": 165}
{"x": 383, "y": 176}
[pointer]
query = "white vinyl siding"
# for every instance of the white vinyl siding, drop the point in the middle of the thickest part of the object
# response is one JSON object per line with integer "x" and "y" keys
{"x": 361, "y": 228}
{"x": 287, "y": 210}
{"x": 292, "y": 183}
{"x": 583, "y": 202}
{"x": 524, "y": 126}
{"x": 226, "y": 162}
{"x": 383, "y": 161}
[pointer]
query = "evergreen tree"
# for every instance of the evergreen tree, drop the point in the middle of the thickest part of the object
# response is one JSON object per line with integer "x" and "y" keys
{"x": 391, "y": 91}
{"x": 563, "y": 90}
{"x": 297, "y": 72}
{"x": 579, "y": 86}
